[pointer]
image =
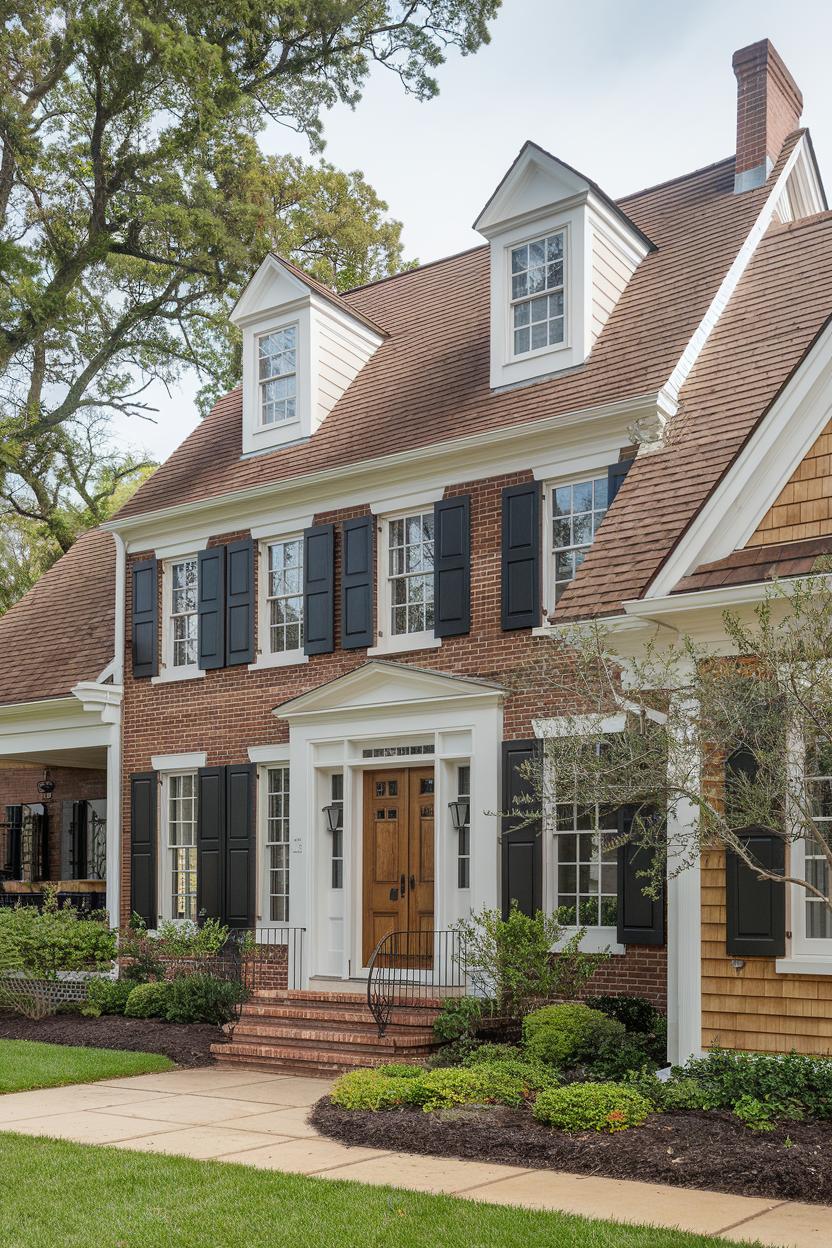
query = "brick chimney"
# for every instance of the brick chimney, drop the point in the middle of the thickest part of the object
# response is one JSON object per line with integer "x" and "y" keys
{"x": 769, "y": 104}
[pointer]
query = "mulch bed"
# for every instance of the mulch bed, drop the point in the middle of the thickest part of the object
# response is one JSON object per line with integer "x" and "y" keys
{"x": 691, "y": 1149}
{"x": 187, "y": 1044}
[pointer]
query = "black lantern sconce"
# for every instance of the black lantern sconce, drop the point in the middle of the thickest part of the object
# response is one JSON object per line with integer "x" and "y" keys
{"x": 46, "y": 786}
{"x": 333, "y": 816}
{"x": 460, "y": 810}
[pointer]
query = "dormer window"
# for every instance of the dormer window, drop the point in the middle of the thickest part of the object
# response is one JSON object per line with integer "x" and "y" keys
{"x": 277, "y": 359}
{"x": 538, "y": 293}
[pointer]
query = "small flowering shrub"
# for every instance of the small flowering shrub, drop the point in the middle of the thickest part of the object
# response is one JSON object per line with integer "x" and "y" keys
{"x": 592, "y": 1107}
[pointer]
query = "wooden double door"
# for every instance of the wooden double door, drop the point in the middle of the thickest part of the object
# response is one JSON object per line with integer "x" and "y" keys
{"x": 398, "y": 857}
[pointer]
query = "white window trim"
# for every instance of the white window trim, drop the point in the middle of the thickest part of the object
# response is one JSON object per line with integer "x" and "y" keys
{"x": 260, "y": 425}
{"x": 167, "y": 672}
{"x": 179, "y": 762}
{"x": 595, "y": 939}
{"x": 387, "y": 642}
{"x": 513, "y": 357}
{"x": 165, "y": 874}
{"x": 804, "y": 955}
{"x": 265, "y": 660}
{"x": 548, "y": 522}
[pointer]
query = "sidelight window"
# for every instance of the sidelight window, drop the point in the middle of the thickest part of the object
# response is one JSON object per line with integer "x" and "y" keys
{"x": 463, "y": 858}
{"x": 337, "y": 855}
{"x": 277, "y": 843}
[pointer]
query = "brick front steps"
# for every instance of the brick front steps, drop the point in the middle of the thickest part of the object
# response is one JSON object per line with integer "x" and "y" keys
{"x": 324, "y": 1033}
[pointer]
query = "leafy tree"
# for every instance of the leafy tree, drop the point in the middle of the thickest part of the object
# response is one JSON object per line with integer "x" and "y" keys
{"x": 707, "y": 744}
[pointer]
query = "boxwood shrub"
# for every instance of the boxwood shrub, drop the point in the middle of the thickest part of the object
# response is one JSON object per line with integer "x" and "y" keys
{"x": 106, "y": 996}
{"x": 592, "y": 1107}
{"x": 147, "y": 1000}
{"x": 565, "y": 1035}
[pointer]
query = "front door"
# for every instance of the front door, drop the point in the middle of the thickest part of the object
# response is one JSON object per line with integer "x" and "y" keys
{"x": 398, "y": 855}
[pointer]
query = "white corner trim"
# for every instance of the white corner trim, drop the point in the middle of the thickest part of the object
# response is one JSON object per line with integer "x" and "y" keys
{"x": 179, "y": 762}
{"x": 172, "y": 675}
{"x": 729, "y": 283}
{"x": 276, "y": 753}
{"x": 803, "y": 966}
{"x": 285, "y": 658}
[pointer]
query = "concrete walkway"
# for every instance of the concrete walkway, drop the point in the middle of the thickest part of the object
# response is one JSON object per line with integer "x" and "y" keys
{"x": 260, "y": 1120}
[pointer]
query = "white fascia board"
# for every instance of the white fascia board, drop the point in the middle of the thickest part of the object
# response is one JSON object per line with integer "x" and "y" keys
{"x": 495, "y": 451}
{"x": 729, "y": 283}
{"x": 179, "y": 762}
{"x": 41, "y": 710}
{"x": 793, "y": 423}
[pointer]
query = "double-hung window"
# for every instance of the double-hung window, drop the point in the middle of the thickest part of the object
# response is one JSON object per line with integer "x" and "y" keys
{"x": 410, "y": 574}
{"x": 277, "y": 843}
{"x": 180, "y": 834}
{"x": 812, "y": 920}
{"x": 182, "y": 617}
{"x": 575, "y": 514}
{"x": 284, "y": 596}
{"x": 277, "y": 375}
{"x": 538, "y": 294}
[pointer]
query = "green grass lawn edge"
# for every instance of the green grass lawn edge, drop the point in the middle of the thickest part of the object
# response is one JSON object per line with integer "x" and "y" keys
{"x": 127, "y": 1198}
{"x": 29, "y": 1064}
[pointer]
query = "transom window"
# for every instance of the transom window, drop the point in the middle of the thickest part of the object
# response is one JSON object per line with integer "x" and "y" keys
{"x": 577, "y": 512}
{"x": 537, "y": 293}
{"x": 818, "y": 917}
{"x": 285, "y": 595}
{"x": 587, "y": 866}
{"x": 183, "y": 619}
{"x": 277, "y": 371}
{"x": 277, "y": 843}
{"x": 181, "y": 845}
{"x": 410, "y": 552}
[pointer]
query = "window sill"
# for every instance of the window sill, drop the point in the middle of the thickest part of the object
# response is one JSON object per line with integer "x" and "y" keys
{"x": 287, "y": 658}
{"x": 173, "y": 674}
{"x": 597, "y": 940}
{"x": 809, "y": 964}
{"x": 405, "y": 643}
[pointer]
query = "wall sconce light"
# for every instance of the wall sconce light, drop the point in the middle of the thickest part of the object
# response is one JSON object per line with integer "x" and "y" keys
{"x": 46, "y": 786}
{"x": 459, "y": 813}
{"x": 333, "y": 816}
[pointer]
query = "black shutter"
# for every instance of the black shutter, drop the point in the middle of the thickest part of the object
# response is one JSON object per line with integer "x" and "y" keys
{"x": 755, "y": 910}
{"x": 240, "y": 847}
{"x": 143, "y": 806}
{"x": 521, "y": 846}
{"x": 640, "y": 918}
{"x": 615, "y": 477}
{"x": 319, "y": 589}
{"x": 211, "y": 608}
{"x": 145, "y": 618}
{"x": 239, "y": 602}
{"x": 357, "y": 583}
{"x": 210, "y": 841}
{"x": 452, "y": 566}
{"x": 520, "y": 558}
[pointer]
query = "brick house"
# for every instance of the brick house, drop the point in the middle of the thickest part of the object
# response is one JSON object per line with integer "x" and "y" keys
{"x": 298, "y": 660}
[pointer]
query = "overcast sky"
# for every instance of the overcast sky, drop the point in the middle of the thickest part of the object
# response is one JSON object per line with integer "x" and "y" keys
{"x": 629, "y": 93}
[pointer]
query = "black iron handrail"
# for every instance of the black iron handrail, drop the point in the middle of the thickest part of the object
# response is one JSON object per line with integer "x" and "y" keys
{"x": 414, "y": 968}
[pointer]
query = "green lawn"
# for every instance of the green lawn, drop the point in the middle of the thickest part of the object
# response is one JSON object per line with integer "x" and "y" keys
{"x": 26, "y": 1064}
{"x": 70, "y": 1196}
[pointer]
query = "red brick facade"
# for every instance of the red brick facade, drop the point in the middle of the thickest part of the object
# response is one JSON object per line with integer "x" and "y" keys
{"x": 226, "y": 711}
{"x": 19, "y": 785}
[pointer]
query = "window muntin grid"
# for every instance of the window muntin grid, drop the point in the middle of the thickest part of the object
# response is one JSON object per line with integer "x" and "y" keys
{"x": 277, "y": 371}
{"x": 463, "y": 850}
{"x": 284, "y": 595}
{"x": 538, "y": 293}
{"x": 337, "y": 851}
{"x": 410, "y": 573}
{"x": 577, "y": 512}
{"x": 587, "y": 865}
{"x": 277, "y": 842}
{"x": 181, "y": 844}
{"x": 183, "y": 616}
{"x": 817, "y": 915}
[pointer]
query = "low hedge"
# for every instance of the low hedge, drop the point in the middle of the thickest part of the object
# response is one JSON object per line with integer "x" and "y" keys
{"x": 441, "y": 1088}
{"x": 592, "y": 1107}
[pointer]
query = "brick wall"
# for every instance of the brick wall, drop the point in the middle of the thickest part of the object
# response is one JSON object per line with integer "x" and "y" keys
{"x": 226, "y": 711}
{"x": 19, "y": 785}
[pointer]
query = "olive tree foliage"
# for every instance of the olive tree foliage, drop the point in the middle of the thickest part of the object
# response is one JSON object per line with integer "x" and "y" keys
{"x": 135, "y": 200}
{"x": 709, "y": 744}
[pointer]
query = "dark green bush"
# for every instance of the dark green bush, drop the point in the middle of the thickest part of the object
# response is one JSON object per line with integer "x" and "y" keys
{"x": 592, "y": 1107}
{"x": 636, "y": 1013}
{"x": 201, "y": 998}
{"x": 147, "y": 1000}
{"x": 106, "y": 996}
{"x": 459, "y": 1019}
{"x": 42, "y": 943}
{"x": 790, "y": 1084}
{"x": 566, "y": 1035}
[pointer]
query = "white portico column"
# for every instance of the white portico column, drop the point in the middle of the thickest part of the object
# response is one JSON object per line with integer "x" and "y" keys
{"x": 684, "y": 936}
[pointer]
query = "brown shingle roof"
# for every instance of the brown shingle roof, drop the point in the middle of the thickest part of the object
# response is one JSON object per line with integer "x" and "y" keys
{"x": 62, "y": 630}
{"x": 758, "y": 563}
{"x": 780, "y": 306}
{"x": 429, "y": 381}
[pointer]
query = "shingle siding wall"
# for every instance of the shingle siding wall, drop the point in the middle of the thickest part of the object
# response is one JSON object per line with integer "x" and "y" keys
{"x": 227, "y": 711}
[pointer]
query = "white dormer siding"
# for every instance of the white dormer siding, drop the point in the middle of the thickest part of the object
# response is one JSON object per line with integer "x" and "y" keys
{"x": 302, "y": 343}
{"x": 541, "y": 199}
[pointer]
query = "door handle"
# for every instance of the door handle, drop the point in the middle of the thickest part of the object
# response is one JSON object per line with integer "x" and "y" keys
{"x": 403, "y": 885}
{"x": 413, "y": 883}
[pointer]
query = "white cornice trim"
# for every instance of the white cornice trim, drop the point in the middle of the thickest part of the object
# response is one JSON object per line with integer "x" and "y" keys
{"x": 179, "y": 762}
{"x": 101, "y": 699}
